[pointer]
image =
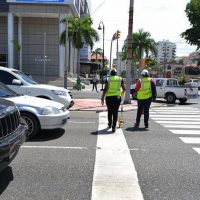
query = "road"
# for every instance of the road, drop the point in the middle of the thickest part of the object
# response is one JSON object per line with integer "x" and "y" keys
{"x": 86, "y": 161}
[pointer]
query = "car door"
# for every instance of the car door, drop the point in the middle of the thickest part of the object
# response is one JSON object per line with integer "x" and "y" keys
{"x": 159, "y": 87}
{"x": 7, "y": 78}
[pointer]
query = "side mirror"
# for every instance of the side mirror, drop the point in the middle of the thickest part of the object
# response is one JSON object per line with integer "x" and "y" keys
{"x": 16, "y": 82}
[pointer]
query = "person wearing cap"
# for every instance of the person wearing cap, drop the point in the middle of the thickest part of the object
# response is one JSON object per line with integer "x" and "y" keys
{"x": 146, "y": 91}
{"x": 112, "y": 92}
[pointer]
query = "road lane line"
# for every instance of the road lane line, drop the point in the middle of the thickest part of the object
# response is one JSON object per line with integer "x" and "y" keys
{"x": 177, "y": 119}
{"x": 185, "y": 132}
{"x": 53, "y": 147}
{"x": 174, "y": 116}
{"x": 114, "y": 176}
{"x": 197, "y": 150}
{"x": 190, "y": 140}
{"x": 186, "y": 126}
{"x": 177, "y": 122}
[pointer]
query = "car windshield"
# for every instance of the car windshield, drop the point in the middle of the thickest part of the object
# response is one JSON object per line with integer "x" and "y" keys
{"x": 25, "y": 77}
{"x": 6, "y": 92}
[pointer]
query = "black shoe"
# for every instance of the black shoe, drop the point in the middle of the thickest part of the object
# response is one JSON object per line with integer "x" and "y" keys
{"x": 136, "y": 125}
{"x": 146, "y": 126}
{"x": 113, "y": 130}
{"x": 109, "y": 126}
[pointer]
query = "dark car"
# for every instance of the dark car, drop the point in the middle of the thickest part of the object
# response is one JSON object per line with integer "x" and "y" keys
{"x": 12, "y": 132}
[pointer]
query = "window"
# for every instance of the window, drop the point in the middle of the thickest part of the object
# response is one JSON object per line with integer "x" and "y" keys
{"x": 172, "y": 82}
{"x": 159, "y": 82}
{"x": 3, "y": 60}
{"x": 6, "y": 77}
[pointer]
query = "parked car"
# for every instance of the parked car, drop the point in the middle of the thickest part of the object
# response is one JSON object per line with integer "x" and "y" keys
{"x": 193, "y": 83}
{"x": 12, "y": 132}
{"x": 23, "y": 84}
{"x": 37, "y": 113}
{"x": 169, "y": 89}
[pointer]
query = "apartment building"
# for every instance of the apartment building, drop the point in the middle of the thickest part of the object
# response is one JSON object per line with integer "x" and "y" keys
{"x": 30, "y": 31}
{"x": 166, "y": 51}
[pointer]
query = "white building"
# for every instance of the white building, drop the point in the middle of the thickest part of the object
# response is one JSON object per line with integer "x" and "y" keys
{"x": 166, "y": 52}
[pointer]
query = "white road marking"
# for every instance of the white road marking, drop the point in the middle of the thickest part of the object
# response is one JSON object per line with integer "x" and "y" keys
{"x": 115, "y": 176}
{"x": 53, "y": 147}
{"x": 190, "y": 140}
{"x": 174, "y": 116}
{"x": 180, "y": 121}
{"x": 186, "y": 126}
{"x": 197, "y": 150}
{"x": 176, "y": 112}
{"x": 185, "y": 132}
{"x": 177, "y": 122}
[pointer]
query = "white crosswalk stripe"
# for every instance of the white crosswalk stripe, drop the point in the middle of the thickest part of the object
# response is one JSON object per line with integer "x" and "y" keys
{"x": 114, "y": 176}
{"x": 180, "y": 120}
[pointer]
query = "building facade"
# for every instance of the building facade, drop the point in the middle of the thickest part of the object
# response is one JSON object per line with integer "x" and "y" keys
{"x": 30, "y": 33}
{"x": 166, "y": 52}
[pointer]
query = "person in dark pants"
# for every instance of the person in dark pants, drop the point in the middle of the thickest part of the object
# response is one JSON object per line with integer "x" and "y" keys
{"x": 112, "y": 91}
{"x": 94, "y": 82}
{"x": 146, "y": 91}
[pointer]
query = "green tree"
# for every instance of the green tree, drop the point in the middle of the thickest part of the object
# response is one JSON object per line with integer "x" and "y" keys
{"x": 80, "y": 31}
{"x": 142, "y": 44}
{"x": 17, "y": 46}
{"x": 191, "y": 35}
{"x": 96, "y": 52}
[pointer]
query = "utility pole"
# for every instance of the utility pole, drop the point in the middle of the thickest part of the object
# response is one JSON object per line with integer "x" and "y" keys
{"x": 129, "y": 54}
{"x": 165, "y": 54}
{"x": 44, "y": 57}
{"x": 66, "y": 54}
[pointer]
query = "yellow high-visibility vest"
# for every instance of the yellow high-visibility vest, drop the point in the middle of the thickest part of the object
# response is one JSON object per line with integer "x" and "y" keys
{"x": 145, "y": 90}
{"x": 114, "y": 85}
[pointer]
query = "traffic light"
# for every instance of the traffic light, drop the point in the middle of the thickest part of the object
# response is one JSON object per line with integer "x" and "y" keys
{"x": 118, "y": 33}
{"x": 114, "y": 36}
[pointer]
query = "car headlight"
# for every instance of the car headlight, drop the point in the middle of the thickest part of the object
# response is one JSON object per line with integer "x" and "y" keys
{"x": 50, "y": 110}
{"x": 59, "y": 92}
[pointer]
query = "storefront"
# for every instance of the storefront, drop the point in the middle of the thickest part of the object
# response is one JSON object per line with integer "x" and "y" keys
{"x": 29, "y": 35}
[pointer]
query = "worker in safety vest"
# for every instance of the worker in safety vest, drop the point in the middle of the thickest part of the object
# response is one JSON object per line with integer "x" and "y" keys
{"x": 112, "y": 92}
{"x": 146, "y": 91}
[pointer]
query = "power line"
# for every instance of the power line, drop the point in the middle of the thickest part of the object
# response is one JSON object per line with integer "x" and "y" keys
{"x": 98, "y": 7}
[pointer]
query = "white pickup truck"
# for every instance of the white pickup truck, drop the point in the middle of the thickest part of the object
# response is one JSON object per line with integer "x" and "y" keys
{"x": 169, "y": 89}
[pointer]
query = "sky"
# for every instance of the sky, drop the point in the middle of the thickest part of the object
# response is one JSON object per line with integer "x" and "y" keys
{"x": 163, "y": 19}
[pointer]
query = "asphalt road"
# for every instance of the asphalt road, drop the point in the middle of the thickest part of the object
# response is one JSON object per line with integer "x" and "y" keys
{"x": 60, "y": 164}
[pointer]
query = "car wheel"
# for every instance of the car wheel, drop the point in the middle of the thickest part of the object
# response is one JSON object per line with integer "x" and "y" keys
{"x": 32, "y": 124}
{"x": 171, "y": 98}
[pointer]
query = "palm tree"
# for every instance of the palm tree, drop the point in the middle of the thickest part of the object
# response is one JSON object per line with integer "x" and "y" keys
{"x": 142, "y": 44}
{"x": 96, "y": 52}
{"x": 80, "y": 31}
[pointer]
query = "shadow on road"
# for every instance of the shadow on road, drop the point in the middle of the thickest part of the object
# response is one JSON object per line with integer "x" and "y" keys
{"x": 102, "y": 132}
{"x": 133, "y": 129}
{"x": 6, "y": 176}
{"x": 46, "y": 135}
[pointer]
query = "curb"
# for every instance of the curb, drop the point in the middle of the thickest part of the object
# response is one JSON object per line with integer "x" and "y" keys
{"x": 95, "y": 105}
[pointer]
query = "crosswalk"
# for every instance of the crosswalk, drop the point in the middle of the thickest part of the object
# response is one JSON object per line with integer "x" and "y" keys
{"x": 180, "y": 120}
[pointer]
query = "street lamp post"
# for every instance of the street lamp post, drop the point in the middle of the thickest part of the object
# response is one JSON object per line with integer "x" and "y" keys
{"x": 100, "y": 28}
